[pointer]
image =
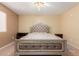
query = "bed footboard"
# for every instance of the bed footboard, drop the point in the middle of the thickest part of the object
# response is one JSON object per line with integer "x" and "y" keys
{"x": 40, "y": 47}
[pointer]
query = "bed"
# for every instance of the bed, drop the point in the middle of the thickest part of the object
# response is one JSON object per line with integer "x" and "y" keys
{"x": 40, "y": 42}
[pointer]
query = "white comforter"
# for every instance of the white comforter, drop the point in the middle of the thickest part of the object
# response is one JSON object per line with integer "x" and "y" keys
{"x": 40, "y": 36}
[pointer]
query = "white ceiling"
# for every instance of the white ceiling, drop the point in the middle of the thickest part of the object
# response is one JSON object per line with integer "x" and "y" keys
{"x": 28, "y": 8}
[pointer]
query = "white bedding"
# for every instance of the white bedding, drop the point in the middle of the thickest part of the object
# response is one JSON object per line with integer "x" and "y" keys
{"x": 40, "y": 36}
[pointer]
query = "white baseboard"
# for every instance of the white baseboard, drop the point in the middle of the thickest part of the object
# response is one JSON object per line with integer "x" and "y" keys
{"x": 72, "y": 47}
{"x": 8, "y": 49}
{"x": 72, "y": 50}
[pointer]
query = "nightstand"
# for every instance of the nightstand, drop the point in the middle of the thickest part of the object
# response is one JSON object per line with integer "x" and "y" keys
{"x": 59, "y": 35}
{"x": 19, "y": 35}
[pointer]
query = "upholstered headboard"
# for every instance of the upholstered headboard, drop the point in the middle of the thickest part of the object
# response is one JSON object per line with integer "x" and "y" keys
{"x": 40, "y": 28}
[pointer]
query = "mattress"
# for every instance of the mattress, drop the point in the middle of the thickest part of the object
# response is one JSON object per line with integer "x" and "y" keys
{"x": 40, "y": 36}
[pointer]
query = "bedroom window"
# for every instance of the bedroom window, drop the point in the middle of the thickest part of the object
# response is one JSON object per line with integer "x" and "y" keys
{"x": 2, "y": 21}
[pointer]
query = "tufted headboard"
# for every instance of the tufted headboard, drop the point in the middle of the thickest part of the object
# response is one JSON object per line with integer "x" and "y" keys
{"x": 40, "y": 28}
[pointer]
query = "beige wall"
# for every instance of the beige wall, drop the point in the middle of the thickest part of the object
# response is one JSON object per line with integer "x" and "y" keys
{"x": 70, "y": 28}
{"x": 6, "y": 37}
{"x": 25, "y": 22}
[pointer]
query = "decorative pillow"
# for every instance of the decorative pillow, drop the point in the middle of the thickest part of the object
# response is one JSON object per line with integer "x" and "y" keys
{"x": 40, "y": 28}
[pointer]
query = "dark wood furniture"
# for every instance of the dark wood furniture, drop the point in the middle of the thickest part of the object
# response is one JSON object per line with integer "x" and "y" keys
{"x": 19, "y": 35}
{"x": 59, "y": 35}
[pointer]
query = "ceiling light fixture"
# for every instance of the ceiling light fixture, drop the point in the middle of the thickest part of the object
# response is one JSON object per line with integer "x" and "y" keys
{"x": 40, "y": 5}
